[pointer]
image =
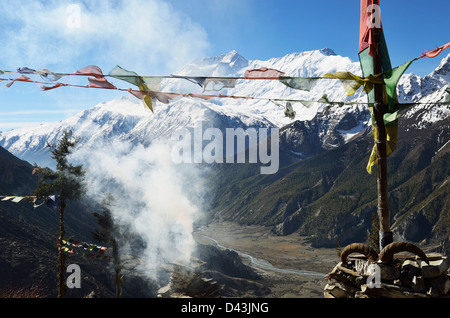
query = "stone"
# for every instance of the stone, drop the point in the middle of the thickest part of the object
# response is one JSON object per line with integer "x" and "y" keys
{"x": 346, "y": 275}
{"x": 441, "y": 284}
{"x": 418, "y": 284}
{"x": 433, "y": 292}
{"x": 335, "y": 291}
{"x": 390, "y": 291}
{"x": 436, "y": 268}
{"x": 388, "y": 272}
{"x": 164, "y": 292}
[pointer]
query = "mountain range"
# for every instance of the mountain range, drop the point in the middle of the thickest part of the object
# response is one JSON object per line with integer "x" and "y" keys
{"x": 321, "y": 189}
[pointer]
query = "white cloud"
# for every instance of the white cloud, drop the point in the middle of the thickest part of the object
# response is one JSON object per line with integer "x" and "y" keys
{"x": 145, "y": 36}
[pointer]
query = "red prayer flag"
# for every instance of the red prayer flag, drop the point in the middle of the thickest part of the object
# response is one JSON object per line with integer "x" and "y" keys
{"x": 100, "y": 83}
{"x": 370, "y": 19}
{"x": 21, "y": 78}
{"x": 47, "y": 88}
{"x": 436, "y": 51}
{"x": 91, "y": 70}
{"x": 263, "y": 73}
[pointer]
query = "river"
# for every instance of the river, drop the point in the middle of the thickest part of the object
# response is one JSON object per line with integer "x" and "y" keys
{"x": 263, "y": 264}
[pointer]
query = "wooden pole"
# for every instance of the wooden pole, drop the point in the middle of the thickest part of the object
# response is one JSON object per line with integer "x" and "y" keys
{"x": 379, "y": 110}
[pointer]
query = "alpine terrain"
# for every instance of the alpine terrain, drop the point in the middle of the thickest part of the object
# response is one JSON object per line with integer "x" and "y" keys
{"x": 321, "y": 189}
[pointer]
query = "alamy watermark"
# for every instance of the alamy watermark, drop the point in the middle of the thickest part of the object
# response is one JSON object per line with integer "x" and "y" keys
{"x": 214, "y": 146}
{"x": 73, "y": 20}
{"x": 74, "y": 279}
{"x": 374, "y": 279}
{"x": 374, "y": 19}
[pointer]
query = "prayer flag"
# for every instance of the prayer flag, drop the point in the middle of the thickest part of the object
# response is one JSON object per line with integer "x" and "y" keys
{"x": 91, "y": 70}
{"x": 221, "y": 82}
{"x": 371, "y": 20}
{"x": 300, "y": 83}
{"x": 100, "y": 83}
{"x": 263, "y": 73}
{"x": 133, "y": 78}
{"x": 436, "y": 51}
{"x": 289, "y": 111}
{"x": 352, "y": 83}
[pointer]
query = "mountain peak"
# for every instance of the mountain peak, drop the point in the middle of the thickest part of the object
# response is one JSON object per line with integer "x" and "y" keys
{"x": 234, "y": 59}
{"x": 327, "y": 51}
{"x": 444, "y": 67}
{"x": 230, "y": 55}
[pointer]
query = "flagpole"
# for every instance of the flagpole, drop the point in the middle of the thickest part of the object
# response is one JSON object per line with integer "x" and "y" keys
{"x": 379, "y": 110}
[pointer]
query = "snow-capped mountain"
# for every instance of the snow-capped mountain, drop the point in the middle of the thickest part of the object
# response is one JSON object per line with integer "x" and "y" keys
{"x": 127, "y": 119}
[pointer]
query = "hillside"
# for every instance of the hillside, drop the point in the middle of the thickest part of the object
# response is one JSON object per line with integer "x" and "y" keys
{"x": 326, "y": 195}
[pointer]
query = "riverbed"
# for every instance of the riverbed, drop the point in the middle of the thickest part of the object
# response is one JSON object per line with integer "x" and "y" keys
{"x": 289, "y": 265}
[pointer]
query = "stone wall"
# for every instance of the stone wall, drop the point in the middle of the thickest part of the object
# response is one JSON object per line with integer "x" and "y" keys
{"x": 404, "y": 277}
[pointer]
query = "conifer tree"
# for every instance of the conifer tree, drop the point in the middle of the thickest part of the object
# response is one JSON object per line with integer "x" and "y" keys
{"x": 108, "y": 234}
{"x": 65, "y": 184}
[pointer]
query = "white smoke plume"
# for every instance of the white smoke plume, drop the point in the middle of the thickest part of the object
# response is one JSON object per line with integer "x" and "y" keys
{"x": 149, "y": 197}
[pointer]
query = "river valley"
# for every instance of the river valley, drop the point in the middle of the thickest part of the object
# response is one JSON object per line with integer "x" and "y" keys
{"x": 289, "y": 266}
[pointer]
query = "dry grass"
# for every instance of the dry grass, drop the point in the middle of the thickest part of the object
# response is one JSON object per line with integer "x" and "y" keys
{"x": 35, "y": 291}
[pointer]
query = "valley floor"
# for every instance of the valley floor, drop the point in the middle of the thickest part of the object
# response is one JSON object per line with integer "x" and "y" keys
{"x": 287, "y": 264}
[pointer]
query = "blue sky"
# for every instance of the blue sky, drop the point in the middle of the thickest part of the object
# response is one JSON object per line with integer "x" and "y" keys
{"x": 157, "y": 37}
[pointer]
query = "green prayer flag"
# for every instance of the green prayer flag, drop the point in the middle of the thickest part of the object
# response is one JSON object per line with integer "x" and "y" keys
{"x": 391, "y": 78}
{"x": 301, "y": 83}
{"x": 289, "y": 111}
{"x": 133, "y": 78}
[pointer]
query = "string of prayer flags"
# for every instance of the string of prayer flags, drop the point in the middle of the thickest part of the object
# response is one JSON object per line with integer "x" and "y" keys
{"x": 149, "y": 86}
{"x": 53, "y": 202}
{"x": 86, "y": 249}
{"x": 13, "y": 198}
{"x": 17, "y": 199}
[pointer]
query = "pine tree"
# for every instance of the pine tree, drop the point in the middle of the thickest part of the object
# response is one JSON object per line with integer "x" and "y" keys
{"x": 64, "y": 183}
{"x": 108, "y": 234}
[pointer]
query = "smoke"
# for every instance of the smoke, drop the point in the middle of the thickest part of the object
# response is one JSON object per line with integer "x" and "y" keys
{"x": 149, "y": 197}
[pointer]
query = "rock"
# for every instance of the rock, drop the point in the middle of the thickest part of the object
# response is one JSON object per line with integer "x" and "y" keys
{"x": 388, "y": 273}
{"x": 436, "y": 268}
{"x": 418, "y": 284}
{"x": 433, "y": 292}
{"x": 364, "y": 268}
{"x": 405, "y": 277}
{"x": 343, "y": 274}
{"x": 441, "y": 284}
{"x": 164, "y": 292}
{"x": 390, "y": 291}
{"x": 335, "y": 291}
